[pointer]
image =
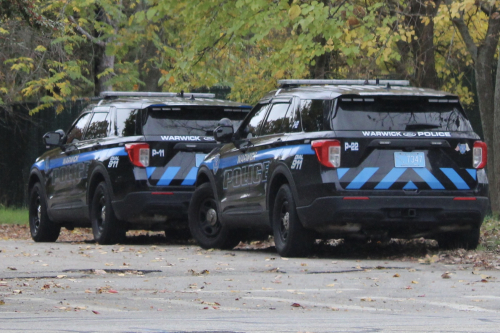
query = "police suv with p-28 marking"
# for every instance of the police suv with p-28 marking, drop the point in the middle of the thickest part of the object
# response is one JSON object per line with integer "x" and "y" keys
{"x": 344, "y": 159}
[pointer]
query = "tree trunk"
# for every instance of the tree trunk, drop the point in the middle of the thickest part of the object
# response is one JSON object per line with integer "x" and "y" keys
{"x": 485, "y": 96}
{"x": 495, "y": 158}
{"x": 103, "y": 62}
{"x": 423, "y": 47}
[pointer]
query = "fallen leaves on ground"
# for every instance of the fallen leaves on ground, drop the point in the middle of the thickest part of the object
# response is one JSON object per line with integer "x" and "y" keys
{"x": 417, "y": 250}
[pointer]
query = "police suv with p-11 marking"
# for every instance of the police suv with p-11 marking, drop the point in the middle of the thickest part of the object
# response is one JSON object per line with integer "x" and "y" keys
{"x": 344, "y": 159}
{"x": 129, "y": 162}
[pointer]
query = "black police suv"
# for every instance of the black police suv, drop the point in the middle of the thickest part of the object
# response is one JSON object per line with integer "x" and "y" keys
{"x": 344, "y": 159}
{"x": 128, "y": 162}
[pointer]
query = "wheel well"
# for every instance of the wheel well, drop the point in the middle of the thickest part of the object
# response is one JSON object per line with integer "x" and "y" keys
{"x": 202, "y": 179}
{"x": 96, "y": 180}
{"x": 32, "y": 181}
{"x": 278, "y": 180}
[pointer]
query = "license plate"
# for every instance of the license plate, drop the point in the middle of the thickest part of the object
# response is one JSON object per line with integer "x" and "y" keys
{"x": 409, "y": 160}
{"x": 199, "y": 159}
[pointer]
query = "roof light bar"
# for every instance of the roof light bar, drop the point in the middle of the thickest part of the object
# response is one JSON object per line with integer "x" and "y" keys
{"x": 109, "y": 94}
{"x": 285, "y": 83}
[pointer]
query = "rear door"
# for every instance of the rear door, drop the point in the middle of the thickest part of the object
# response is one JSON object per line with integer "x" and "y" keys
{"x": 404, "y": 144}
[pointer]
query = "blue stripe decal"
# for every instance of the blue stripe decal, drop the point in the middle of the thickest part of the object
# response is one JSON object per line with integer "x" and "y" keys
{"x": 191, "y": 177}
{"x": 455, "y": 178}
{"x": 361, "y": 178}
{"x": 473, "y": 173}
{"x": 429, "y": 178}
{"x": 410, "y": 186}
{"x": 169, "y": 174}
{"x": 390, "y": 178}
{"x": 88, "y": 156}
{"x": 341, "y": 172}
{"x": 150, "y": 170}
{"x": 265, "y": 154}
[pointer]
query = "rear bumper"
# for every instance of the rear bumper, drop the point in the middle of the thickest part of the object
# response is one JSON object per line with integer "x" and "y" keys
{"x": 431, "y": 213}
{"x": 151, "y": 207}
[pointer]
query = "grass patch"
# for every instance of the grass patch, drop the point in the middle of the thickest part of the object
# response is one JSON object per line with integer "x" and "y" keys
{"x": 490, "y": 233}
{"x": 13, "y": 216}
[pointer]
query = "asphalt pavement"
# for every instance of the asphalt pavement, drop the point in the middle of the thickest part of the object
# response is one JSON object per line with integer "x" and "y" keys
{"x": 85, "y": 287}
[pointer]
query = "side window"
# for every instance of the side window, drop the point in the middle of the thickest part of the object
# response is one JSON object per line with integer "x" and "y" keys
{"x": 99, "y": 126}
{"x": 256, "y": 120}
{"x": 291, "y": 122}
{"x": 274, "y": 121}
{"x": 311, "y": 112}
{"x": 75, "y": 134}
{"x": 126, "y": 122}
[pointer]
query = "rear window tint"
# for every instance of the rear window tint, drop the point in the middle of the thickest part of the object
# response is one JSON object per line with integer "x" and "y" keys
{"x": 399, "y": 115}
{"x": 182, "y": 120}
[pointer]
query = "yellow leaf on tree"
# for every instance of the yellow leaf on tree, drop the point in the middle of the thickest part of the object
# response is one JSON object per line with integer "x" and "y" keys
{"x": 294, "y": 12}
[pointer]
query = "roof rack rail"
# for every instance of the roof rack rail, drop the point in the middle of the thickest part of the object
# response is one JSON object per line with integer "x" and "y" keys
{"x": 114, "y": 94}
{"x": 290, "y": 83}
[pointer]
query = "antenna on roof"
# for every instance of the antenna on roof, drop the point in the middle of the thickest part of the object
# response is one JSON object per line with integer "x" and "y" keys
{"x": 377, "y": 81}
{"x": 366, "y": 82}
{"x": 192, "y": 97}
{"x": 388, "y": 86}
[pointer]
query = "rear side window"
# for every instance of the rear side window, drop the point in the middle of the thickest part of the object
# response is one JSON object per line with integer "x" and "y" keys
{"x": 187, "y": 120}
{"x": 390, "y": 114}
{"x": 126, "y": 122}
{"x": 312, "y": 114}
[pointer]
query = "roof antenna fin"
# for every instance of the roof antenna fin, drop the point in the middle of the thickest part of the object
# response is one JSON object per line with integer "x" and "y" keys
{"x": 192, "y": 97}
{"x": 182, "y": 93}
{"x": 388, "y": 86}
{"x": 377, "y": 81}
{"x": 366, "y": 82}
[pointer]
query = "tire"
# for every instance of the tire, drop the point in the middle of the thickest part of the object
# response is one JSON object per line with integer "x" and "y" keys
{"x": 204, "y": 221}
{"x": 105, "y": 226}
{"x": 42, "y": 228}
{"x": 290, "y": 237}
{"x": 468, "y": 240}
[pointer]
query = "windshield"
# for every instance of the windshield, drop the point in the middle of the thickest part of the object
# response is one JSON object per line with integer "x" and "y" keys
{"x": 390, "y": 114}
{"x": 184, "y": 120}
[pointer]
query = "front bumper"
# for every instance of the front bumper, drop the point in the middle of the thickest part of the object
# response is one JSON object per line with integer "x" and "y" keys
{"x": 151, "y": 207}
{"x": 404, "y": 215}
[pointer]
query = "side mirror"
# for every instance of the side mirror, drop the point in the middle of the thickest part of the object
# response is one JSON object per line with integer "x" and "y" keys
{"x": 223, "y": 133}
{"x": 53, "y": 138}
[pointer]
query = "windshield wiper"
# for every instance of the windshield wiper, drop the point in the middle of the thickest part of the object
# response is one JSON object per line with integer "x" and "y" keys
{"x": 417, "y": 126}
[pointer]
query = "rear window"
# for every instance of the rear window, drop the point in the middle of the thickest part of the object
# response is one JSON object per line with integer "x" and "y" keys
{"x": 177, "y": 120}
{"x": 391, "y": 114}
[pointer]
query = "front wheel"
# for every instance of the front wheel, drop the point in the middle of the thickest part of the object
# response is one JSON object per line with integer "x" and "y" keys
{"x": 204, "y": 221}
{"x": 42, "y": 228}
{"x": 105, "y": 226}
{"x": 290, "y": 237}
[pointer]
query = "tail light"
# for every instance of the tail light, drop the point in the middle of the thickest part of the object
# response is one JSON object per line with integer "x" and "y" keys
{"x": 479, "y": 155}
{"x": 138, "y": 153}
{"x": 328, "y": 152}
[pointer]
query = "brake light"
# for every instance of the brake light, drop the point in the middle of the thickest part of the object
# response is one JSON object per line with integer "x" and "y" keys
{"x": 327, "y": 152}
{"x": 138, "y": 153}
{"x": 479, "y": 155}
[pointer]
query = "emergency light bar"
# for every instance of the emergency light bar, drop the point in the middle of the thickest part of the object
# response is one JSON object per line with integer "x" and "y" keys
{"x": 110, "y": 94}
{"x": 287, "y": 83}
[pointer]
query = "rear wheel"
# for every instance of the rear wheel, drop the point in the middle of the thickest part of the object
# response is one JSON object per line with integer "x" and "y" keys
{"x": 468, "y": 240}
{"x": 290, "y": 237}
{"x": 204, "y": 221}
{"x": 42, "y": 228}
{"x": 105, "y": 226}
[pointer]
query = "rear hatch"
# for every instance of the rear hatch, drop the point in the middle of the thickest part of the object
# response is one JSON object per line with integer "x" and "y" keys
{"x": 179, "y": 138}
{"x": 400, "y": 143}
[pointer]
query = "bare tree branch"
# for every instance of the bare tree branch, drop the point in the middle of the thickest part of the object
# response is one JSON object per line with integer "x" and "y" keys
{"x": 85, "y": 33}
